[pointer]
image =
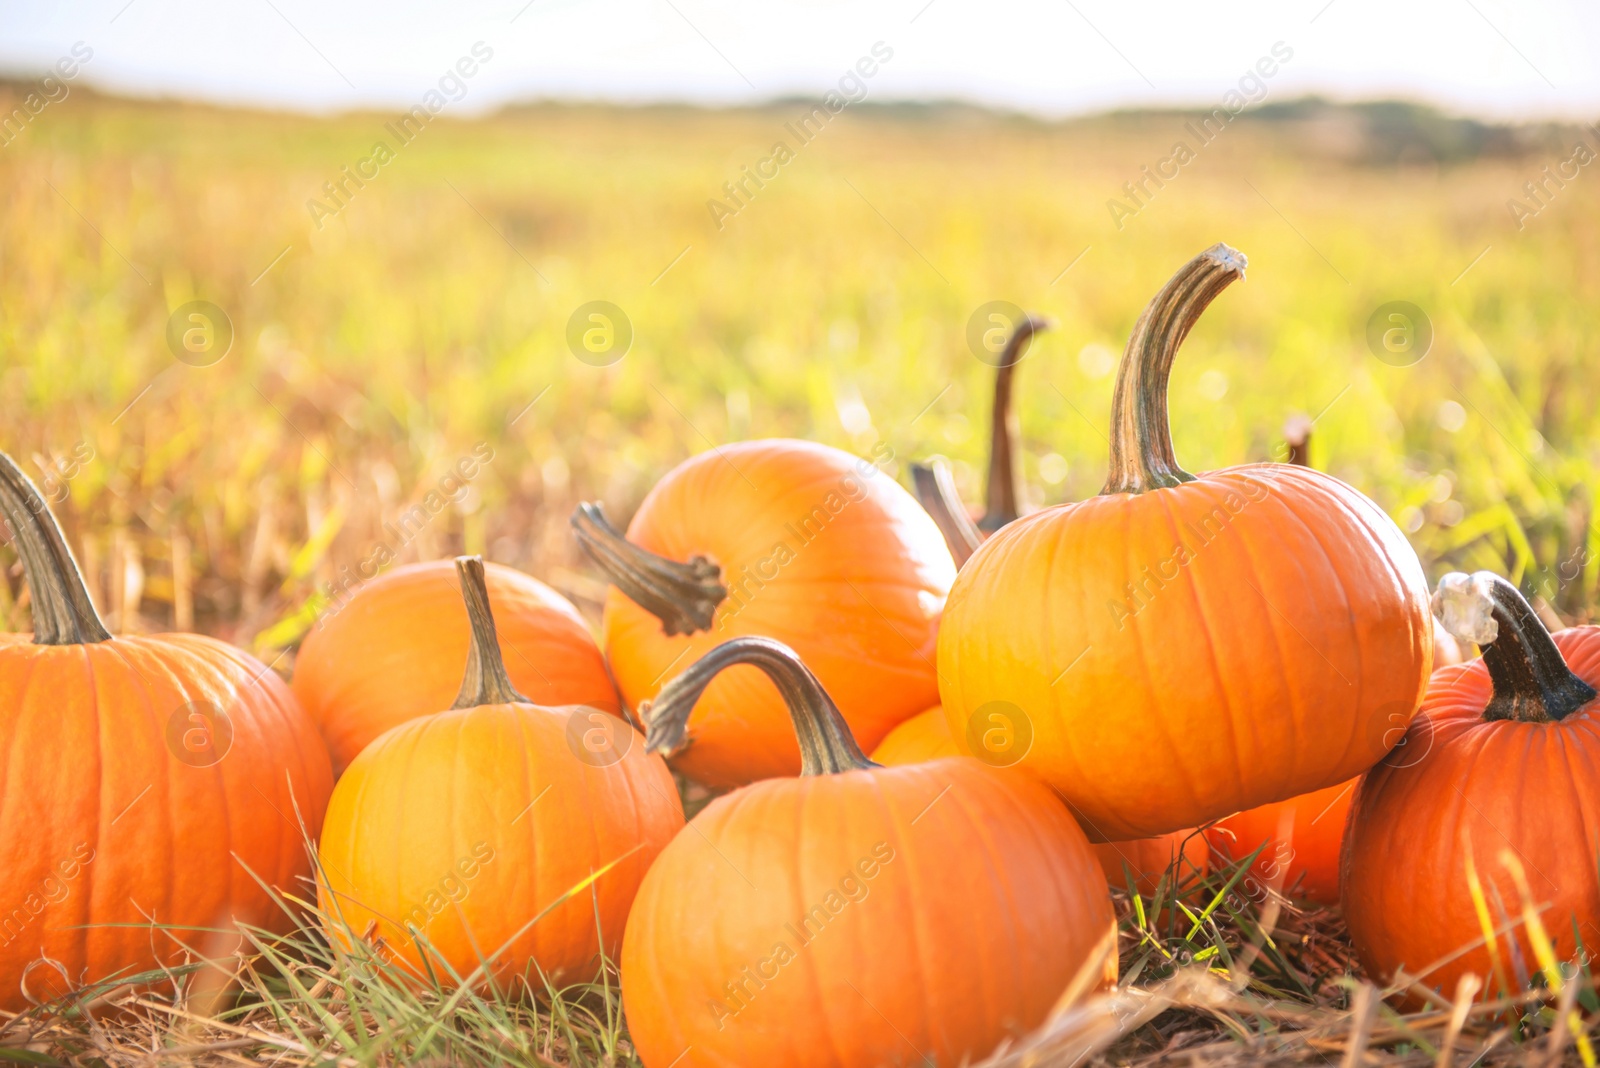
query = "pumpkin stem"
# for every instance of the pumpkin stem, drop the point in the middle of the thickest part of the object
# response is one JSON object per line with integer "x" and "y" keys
{"x": 1141, "y": 439}
{"x": 63, "y": 614}
{"x": 1297, "y": 440}
{"x": 486, "y": 681}
{"x": 684, "y": 596}
{"x": 1532, "y": 682}
{"x": 826, "y": 745}
{"x": 936, "y": 490}
{"x": 1003, "y": 493}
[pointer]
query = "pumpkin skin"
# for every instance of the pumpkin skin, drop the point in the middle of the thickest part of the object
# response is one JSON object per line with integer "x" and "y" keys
{"x": 926, "y": 737}
{"x": 117, "y": 808}
{"x": 923, "y": 737}
{"x": 394, "y": 652}
{"x": 961, "y": 924}
{"x": 1462, "y": 782}
{"x": 1149, "y": 859}
{"x": 1185, "y": 648}
{"x": 1303, "y": 836}
{"x": 859, "y": 601}
{"x": 468, "y": 823}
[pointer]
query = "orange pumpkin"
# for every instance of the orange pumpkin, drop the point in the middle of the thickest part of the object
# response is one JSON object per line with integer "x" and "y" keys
{"x": 1148, "y": 860}
{"x": 917, "y": 914}
{"x": 923, "y": 737}
{"x": 1178, "y": 649}
{"x": 1494, "y": 782}
{"x": 786, "y": 539}
{"x": 1297, "y": 445}
{"x": 1299, "y": 841}
{"x": 499, "y": 835}
{"x": 934, "y": 485}
{"x": 150, "y": 781}
{"x": 394, "y": 652}
{"x": 926, "y": 736}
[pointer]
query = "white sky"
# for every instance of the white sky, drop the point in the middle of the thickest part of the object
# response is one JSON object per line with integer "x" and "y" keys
{"x": 1493, "y": 58}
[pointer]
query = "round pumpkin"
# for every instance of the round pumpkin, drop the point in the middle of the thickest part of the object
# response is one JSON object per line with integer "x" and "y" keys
{"x": 934, "y": 485}
{"x": 791, "y": 540}
{"x": 394, "y": 652}
{"x": 925, "y": 736}
{"x": 857, "y": 915}
{"x": 1149, "y": 860}
{"x": 1486, "y": 814}
{"x": 1181, "y": 648}
{"x": 162, "y": 780}
{"x": 1299, "y": 841}
{"x": 1297, "y": 446}
{"x": 497, "y": 837}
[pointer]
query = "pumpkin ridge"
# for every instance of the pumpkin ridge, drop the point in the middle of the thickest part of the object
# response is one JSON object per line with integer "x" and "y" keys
{"x": 1219, "y": 676}
{"x": 1301, "y": 716}
{"x": 1008, "y": 890}
{"x": 1173, "y": 741}
{"x": 912, "y": 897}
{"x": 126, "y": 652}
{"x": 1343, "y": 583}
{"x": 807, "y": 798}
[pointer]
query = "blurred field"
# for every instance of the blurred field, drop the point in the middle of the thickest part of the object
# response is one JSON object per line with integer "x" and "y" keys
{"x": 432, "y": 310}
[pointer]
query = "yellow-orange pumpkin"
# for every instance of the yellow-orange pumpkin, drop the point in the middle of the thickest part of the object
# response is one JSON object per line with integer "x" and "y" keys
{"x": 1148, "y": 860}
{"x": 923, "y": 737}
{"x": 152, "y": 785}
{"x": 785, "y": 539}
{"x": 858, "y": 915}
{"x": 926, "y": 736}
{"x": 394, "y": 652}
{"x": 461, "y": 835}
{"x": 1495, "y": 779}
{"x": 1301, "y": 839}
{"x": 1178, "y": 649}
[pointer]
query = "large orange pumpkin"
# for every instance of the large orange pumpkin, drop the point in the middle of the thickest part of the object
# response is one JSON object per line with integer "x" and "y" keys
{"x": 934, "y": 485}
{"x": 926, "y": 736}
{"x": 499, "y": 836}
{"x": 1178, "y": 649}
{"x": 1495, "y": 780}
{"x": 1299, "y": 840}
{"x": 785, "y": 539}
{"x": 1297, "y": 445}
{"x": 394, "y": 652}
{"x": 858, "y": 915}
{"x": 153, "y": 785}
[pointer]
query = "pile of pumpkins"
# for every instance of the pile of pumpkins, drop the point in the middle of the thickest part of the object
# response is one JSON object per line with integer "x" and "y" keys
{"x": 1246, "y": 651}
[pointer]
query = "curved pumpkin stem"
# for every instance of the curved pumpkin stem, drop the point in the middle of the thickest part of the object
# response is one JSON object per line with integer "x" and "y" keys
{"x": 826, "y": 744}
{"x": 684, "y": 596}
{"x": 63, "y": 614}
{"x": 1532, "y": 682}
{"x": 936, "y": 490}
{"x": 486, "y": 681}
{"x": 1003, "y": 492}
{"x": 1141, "y": 439}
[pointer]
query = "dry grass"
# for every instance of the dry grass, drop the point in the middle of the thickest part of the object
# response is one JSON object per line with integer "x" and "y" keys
{"x": 1209, "y": 977}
